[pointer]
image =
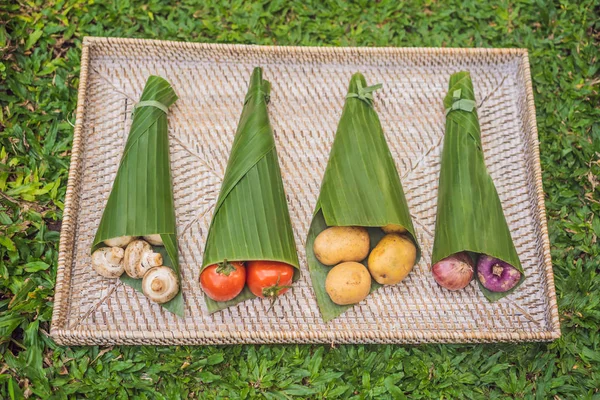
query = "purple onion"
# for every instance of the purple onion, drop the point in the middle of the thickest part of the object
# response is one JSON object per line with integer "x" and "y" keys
{"x": 496, "y": 275}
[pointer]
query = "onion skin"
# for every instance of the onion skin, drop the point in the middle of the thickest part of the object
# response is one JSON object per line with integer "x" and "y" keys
{"x": 496, "y": 275}
{"x": 454, "y": 272}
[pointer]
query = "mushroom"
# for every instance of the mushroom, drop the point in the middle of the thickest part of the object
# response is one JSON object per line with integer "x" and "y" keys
{"x": 139, "y": 258}
{"x": 154, "y": 240}
{"x": 108, "y": 261}
{"x": 121, "y": 241}
{"x": 160, "y": 284}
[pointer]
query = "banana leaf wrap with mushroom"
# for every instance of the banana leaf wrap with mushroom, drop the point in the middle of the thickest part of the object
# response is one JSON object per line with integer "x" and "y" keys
{"x": 361, "y": 187}
{"x": 141, "y": 200}
{"x": 251, "y": 220}
{"x": 469, "y": 212}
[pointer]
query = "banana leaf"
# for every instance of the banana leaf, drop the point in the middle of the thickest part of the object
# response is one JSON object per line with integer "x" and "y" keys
{"x": 469, "y": 212}
{"x": 141, "y": 200}
{"x": 251, "y": 220}
{"x": 361, "y": 187}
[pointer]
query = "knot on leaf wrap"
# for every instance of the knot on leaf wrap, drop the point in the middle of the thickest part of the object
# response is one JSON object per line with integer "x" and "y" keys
{"x": 152, "y": 103}
{"x": 364, "y": 93}
{"x": 460, "y": 104}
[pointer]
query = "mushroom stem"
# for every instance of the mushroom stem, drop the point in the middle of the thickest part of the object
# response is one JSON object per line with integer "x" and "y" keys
{"x": 115, "y": 255}
{"x": 160, "y": 284}
{"x": 139, "y": 258}
{"x": 157, "y": 285}
{"x": 107, "y": 261}
{"x": 150, "y": 259}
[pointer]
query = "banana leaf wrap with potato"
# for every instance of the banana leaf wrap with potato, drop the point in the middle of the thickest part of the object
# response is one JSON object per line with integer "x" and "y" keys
{"x": 251, "y": 220}
{"x": 469, "y": 212}
{"x": 361, "y": 187}
{"x": 141, "y": 199}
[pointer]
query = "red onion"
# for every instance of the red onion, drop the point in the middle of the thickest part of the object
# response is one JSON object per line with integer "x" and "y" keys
{"x": 497, "y": 275}
{"x": 454, "y": 272}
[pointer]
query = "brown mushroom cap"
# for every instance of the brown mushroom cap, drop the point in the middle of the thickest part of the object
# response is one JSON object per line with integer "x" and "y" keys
{"x": 108, "y": 261}
{"x": 160, "y": 284}
{"x": 139, "y": 258}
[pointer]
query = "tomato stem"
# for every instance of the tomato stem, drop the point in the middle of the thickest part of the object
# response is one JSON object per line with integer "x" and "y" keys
{"x": 225, "y": 268}
{"x": 272, "y": 292}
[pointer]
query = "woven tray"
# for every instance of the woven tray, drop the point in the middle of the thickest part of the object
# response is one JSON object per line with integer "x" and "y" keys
{"x": 308, "y": 88}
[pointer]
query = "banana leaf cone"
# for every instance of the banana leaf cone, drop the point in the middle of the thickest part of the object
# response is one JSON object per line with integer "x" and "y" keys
{"x": 469, "y": 212}
{"x": 361, "y": 187}
{"x": 251, "y": 220}
{"x": 141, "y": 200}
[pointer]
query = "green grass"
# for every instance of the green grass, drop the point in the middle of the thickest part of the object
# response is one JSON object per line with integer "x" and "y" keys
{"x": 39, "y": 68}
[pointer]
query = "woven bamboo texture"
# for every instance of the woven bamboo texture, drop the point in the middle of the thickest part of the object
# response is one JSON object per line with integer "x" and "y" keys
{"x": 308, "y": 88}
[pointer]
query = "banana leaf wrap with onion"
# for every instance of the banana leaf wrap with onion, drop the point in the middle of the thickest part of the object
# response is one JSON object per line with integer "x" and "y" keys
{"x": 141, "y": 199}
{"x": 469, "y": 212}
{"x": 361, "y": 187}
{"x": 251, "y": 220}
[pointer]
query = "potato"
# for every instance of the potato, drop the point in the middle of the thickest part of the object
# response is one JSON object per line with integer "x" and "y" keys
{"x": 393, "y": 228}
{"x": 348, "y": 283}
{"x": 392, "y": 259}
{"x": 342, "y": 243}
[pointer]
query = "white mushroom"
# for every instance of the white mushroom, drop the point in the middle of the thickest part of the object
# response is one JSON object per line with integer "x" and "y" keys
{"x": 108, "y": 261}
{"x": 160, "y": 284}
{"x": 139, "y": 258}
{"x": 154, "y": 240}
{"x": 121, "y": 241}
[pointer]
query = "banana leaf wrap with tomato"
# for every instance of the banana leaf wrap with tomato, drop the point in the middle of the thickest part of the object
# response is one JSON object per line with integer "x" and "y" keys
{"x": 469, "y": 212}
{"x": 361, "y": 187}
{"x": 251, "y": 220}
{"x": 141, "y": 199}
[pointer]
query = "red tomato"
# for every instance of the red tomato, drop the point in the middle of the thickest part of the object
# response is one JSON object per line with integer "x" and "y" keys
{"x": 223, "y": 281}
{"x": 269, "y": 278}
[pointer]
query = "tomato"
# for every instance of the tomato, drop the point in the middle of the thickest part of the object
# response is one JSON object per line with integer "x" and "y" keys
{"x": 269, "y": 278}
{"x": 223, "y": 281}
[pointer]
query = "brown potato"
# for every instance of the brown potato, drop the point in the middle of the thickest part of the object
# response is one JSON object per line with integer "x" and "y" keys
{"x": 342, "y": 243}
{"x": 348, "y": 283}
{"x": 392, "y": 259}
{"x": 392, "y": 228}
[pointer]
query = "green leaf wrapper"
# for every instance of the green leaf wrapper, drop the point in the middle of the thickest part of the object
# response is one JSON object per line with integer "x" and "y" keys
{"x": 141, "y": 200}
{"x": 251, "y": 220}
{"x": 469, "y": 212}
{"x": 361, "y": 187}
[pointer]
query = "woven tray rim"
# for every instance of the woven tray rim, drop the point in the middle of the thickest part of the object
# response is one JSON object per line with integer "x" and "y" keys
{"x": 66, "y": 336}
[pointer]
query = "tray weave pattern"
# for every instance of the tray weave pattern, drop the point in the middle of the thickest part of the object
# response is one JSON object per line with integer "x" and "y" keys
{"x": 308, "y": 88}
